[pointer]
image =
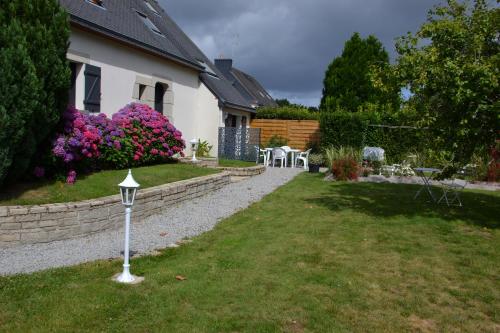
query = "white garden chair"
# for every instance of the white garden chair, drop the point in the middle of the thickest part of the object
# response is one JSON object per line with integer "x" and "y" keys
{"x": 261, "y": 153}
{"x": 279, "y": 154}
{"x": 451, "y": 191}
{"x": 304, "y": 157}
{"x": 287, "y": 150}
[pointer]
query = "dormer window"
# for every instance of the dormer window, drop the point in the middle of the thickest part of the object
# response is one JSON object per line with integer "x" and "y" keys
{"x": 208, "y": 70}
{"x": 149, "y": 23}
{"x": 151, "y": 8}
{"x": 98, "y": 3}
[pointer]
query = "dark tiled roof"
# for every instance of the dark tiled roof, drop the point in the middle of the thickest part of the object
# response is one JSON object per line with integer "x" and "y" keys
{"x": 254, "y": 88}
{"x": 246, "y": 85}
{"x": 119, "y": 20}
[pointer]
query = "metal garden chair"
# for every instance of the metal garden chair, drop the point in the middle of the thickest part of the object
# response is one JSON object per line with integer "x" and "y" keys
{"x": 451, "y": 191}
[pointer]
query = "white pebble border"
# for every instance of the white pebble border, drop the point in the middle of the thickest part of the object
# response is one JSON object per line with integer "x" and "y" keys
{"x": 188, "y": 219}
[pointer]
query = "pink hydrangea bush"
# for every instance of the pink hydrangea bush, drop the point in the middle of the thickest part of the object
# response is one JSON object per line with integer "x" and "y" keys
{"x": 78, "y": 143}
{"x": 136, "y": 135}
{"x": 149, "y": 135}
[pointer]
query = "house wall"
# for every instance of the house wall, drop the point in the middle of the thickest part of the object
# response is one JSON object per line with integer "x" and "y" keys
{"x": 208, "y": 118}
{"x": 239, "y": 115}
{"x": 187, "y": 102}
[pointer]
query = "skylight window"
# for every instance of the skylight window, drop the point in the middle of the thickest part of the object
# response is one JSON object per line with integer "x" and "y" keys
{"x": 149, "y": 23}
{"x": 151, "y": 8}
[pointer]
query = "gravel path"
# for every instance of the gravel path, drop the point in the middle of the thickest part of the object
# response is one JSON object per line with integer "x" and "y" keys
{"x": 187, "y": 219}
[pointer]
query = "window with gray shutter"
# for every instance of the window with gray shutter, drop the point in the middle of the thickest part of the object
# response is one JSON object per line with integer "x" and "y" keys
{"x": 92, "y": 99}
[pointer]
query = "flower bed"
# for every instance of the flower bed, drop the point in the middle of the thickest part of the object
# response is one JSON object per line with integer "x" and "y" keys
{"x": 136, "y": 135}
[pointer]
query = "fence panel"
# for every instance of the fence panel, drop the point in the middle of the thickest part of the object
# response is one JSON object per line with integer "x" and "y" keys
{"x": 239, "y": 143}
{"x": 299, "y": 133}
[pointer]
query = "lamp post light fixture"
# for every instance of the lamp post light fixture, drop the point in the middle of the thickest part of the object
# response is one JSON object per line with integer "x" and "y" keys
{"x": 194, "y": 147}
{"x": 128, "y": 190}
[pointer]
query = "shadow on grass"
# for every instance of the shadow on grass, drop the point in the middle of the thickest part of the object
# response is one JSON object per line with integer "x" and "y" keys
{"x": 14, "y": 191}
{"x": 388, "y": 200}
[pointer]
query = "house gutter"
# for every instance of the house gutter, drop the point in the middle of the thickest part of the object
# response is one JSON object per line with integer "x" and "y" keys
{"x": 89, "y": 26}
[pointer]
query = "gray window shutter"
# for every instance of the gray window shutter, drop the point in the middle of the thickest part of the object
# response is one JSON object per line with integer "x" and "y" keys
{"x": 92, "y": 99}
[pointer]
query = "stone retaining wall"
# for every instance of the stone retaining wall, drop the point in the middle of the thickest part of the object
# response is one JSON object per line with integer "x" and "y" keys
{"x": 210, "y": 162}
{"x": 242, "y": 172}
{"x": 51, "y": 222}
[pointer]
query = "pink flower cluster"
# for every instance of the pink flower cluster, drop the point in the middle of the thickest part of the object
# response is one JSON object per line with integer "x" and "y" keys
{"x": 153, "y": 136}
{"x": 81, "y": 137}
{"x": 136, "y": 135}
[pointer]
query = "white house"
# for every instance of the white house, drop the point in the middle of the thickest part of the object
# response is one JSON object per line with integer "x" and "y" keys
{"x": 130, "y": 50}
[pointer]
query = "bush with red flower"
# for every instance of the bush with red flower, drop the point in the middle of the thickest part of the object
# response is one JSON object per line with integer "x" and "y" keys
{"x": 346, "y": 169}
{"x": 136, "y": 135}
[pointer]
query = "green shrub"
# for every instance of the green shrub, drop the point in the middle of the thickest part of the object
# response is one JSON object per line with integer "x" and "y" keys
{"x": 34, "y": 80}
{"x": 333, "y": 154}
{"x": 286, "y": 113}
{"x": 204, "y": 149}
{"x": 342, "y": 128}
{"x": 276, "y": 141}
{"x": 371, "y": 128}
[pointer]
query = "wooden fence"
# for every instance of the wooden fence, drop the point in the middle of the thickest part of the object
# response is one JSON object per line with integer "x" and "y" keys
{"x": 298, "y": 132}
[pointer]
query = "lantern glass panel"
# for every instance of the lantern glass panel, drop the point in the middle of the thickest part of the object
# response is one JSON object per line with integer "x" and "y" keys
{"x": 128, "y": 195}
{"x": 123, "y": 191}
{"x": 132, "y": 195}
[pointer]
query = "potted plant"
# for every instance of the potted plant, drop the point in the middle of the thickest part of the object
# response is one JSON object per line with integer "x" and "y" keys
{"x": 315, "y": 161}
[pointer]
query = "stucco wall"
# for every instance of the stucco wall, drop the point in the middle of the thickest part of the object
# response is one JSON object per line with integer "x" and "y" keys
{"x": 236, "y": 112}
{"x": 208, "y": 118}
{"x": 192, "y": 108}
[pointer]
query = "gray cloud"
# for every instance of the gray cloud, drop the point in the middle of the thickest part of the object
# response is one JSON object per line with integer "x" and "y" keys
{"x": 287, "y": 44}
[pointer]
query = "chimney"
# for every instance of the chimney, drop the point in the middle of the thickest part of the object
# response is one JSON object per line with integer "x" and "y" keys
{"x": 224, "y": 65}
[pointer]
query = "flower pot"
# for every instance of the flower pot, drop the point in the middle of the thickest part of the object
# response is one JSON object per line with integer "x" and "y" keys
{"x": 314, "y": 168}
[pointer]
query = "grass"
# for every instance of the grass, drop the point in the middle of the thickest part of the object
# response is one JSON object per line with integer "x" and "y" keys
{"x": 313, "y": 256}
{"x": 96, "y": 185}
{"x": 235, "y": 163}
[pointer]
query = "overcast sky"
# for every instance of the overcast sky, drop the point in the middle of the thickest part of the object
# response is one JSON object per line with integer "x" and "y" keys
{"x": 288, "y": 44}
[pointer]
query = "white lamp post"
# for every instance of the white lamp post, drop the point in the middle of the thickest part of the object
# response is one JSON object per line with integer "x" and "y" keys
{"x": 128, "y": 189}
{"x": 194, "y": 146}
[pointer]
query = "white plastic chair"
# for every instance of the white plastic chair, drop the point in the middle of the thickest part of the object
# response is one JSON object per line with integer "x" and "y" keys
{"x": 261, "y": 153}
{"x": 452, "y": 190}
{"x": 279, "y": 154}
{"x": 304, "y": 157}
{"x": 287, "y": 151}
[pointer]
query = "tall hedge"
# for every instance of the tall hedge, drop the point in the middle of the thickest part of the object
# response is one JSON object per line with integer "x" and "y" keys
{"x": 357, "y": 130}
{"x": 288, "y": 112}
{"x": 34, "y": 79}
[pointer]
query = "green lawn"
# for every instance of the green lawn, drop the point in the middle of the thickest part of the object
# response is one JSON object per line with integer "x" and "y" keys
{"x": 235, "y": 163}
{"x": 313, "y": 256}
{"x": 96, "y": 185}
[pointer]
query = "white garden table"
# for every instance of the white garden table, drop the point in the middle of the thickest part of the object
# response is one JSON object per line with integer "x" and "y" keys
{"x": 426, "y": 174}
{"x": 268, "y": 155}
{"x": 292, "y": 152}
{"x": 287, "y": 151}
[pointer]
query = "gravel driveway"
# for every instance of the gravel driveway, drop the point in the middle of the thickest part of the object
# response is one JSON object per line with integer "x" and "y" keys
{"x": 186, "y": 219}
